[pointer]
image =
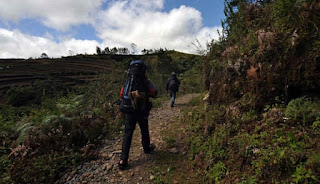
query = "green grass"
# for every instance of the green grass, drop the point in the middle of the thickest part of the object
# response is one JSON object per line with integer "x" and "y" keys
{"x": 253, "y": 148}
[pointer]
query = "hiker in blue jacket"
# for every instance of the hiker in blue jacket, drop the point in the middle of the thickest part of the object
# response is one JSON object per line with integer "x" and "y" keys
{"x": 172, "y": 85}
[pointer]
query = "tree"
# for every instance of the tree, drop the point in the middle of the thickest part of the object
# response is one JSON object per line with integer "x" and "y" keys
{"x": 98, "y": 50}
{"x": 106, "y": 50}
{"x": 134, "y": 48}
{"x": 114, "y": 50}
{"x": 121, "y": 50}
{"x": 44, "y": 56}
{"x": 144, "y": 51}
{"x": 71, "y": 53}
{"x": 126, "y": 50}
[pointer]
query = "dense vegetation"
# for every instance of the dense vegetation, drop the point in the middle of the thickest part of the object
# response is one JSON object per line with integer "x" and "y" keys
{"x": 260, "y": 119}
{"x": 49, "y": 126}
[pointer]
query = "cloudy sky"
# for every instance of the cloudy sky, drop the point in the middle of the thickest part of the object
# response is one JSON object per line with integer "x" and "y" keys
{"x": 61, "y": 27}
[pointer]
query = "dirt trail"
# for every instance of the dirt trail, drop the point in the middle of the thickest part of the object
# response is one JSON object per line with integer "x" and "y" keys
{"x": 167, "y": 164}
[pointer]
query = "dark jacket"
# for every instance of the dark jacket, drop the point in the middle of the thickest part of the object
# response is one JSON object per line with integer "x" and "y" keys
{"x": 173, "y": 83}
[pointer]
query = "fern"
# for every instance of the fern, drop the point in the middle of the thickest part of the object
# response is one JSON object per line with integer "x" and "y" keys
{"x": 303, "y": 110}
{"x": 316, "y": 126}
{"x": 24, "y": 131}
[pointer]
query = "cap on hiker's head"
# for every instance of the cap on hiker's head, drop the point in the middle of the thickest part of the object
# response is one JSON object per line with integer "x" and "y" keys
{"x": 173, "y": 73}
{"x": 139, "y": 62}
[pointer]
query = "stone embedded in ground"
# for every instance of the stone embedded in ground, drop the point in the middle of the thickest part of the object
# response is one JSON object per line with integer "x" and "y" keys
{"x": 117, "y": 152}
{"x": 109, "y": 167}
{"x": 86, "y": 174}
{"x": 69, "y": 178}
{"x": 104, "y": 155}
{"x": 173, "y": 150}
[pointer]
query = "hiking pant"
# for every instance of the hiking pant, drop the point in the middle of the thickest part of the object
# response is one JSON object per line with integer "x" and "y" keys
{"x": 173, "y": 97}
{"x": 130, "y": 124}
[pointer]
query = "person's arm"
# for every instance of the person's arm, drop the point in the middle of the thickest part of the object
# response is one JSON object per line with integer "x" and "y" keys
{"x": 178, "y": 84}
{"x": 121, "y": 92}
{"x": 152, "y": 89}
{"x": 167, "y": 84}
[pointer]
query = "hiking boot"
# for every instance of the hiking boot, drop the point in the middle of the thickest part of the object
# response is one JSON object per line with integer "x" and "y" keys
{"x": 151, "y": 149}
{"x": 122, "y": 165}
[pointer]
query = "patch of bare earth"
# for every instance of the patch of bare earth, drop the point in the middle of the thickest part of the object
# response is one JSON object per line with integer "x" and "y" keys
{"x": 167, "y": 164}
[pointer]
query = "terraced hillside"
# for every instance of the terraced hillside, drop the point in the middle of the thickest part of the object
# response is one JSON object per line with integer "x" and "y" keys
{"x": 69, "y": 70}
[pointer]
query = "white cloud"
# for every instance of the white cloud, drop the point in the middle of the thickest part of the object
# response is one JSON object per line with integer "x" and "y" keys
{"x": 15, "y": 44}
{"x": 57, "y": 14}
{"x": 121, "y": 23}
{"x": 48, "y": 36}
{"x": 145, "y": 4}
{"x": 126, "y": 22}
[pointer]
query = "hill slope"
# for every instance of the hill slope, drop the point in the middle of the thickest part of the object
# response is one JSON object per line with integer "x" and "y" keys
{"x": 55, "y": 112}
{"x": 260, "y": 119}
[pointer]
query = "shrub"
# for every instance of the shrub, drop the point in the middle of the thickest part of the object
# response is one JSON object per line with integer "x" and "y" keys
{"x": 316, "y": 126}
{"x": 51, "y": 138}
{"x": 216, "y": 172}
{"x": 303, "y": 175}
{"x": 303, "y": 110}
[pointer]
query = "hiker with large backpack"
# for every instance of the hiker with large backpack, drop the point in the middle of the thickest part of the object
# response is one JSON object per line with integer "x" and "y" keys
{"x": 172, "y": 85}
{"x": 134, "y": 96}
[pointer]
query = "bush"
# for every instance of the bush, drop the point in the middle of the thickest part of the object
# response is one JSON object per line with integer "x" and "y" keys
{"x": 216, "y": 172}
{"x": 51, "y": 138}
{"x": 303, "y": 110}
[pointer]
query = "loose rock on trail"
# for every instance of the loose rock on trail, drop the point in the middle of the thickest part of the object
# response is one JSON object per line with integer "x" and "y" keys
{"x": 143, "y": 168}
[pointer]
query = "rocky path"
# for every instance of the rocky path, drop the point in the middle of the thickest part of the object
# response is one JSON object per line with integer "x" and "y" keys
{"x": 168, "y": 164}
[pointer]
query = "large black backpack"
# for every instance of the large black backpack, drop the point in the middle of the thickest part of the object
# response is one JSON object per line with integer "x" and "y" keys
{"x": 173, "y": 83}
{"x": 135, "y": 89}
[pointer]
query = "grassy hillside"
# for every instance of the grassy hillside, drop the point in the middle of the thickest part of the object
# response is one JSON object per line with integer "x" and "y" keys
{"x": 55, "y": 112}
{"x": 260, "y": 119}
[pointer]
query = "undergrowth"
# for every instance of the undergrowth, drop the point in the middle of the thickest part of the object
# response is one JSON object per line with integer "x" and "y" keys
{"x": 252, "y": 147}
{"x": 43, "y": 137}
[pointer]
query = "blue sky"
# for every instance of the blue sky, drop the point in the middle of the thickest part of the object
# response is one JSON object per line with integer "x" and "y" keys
{"x": 211, "y": 10}
{"x": 29, "y": 28}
